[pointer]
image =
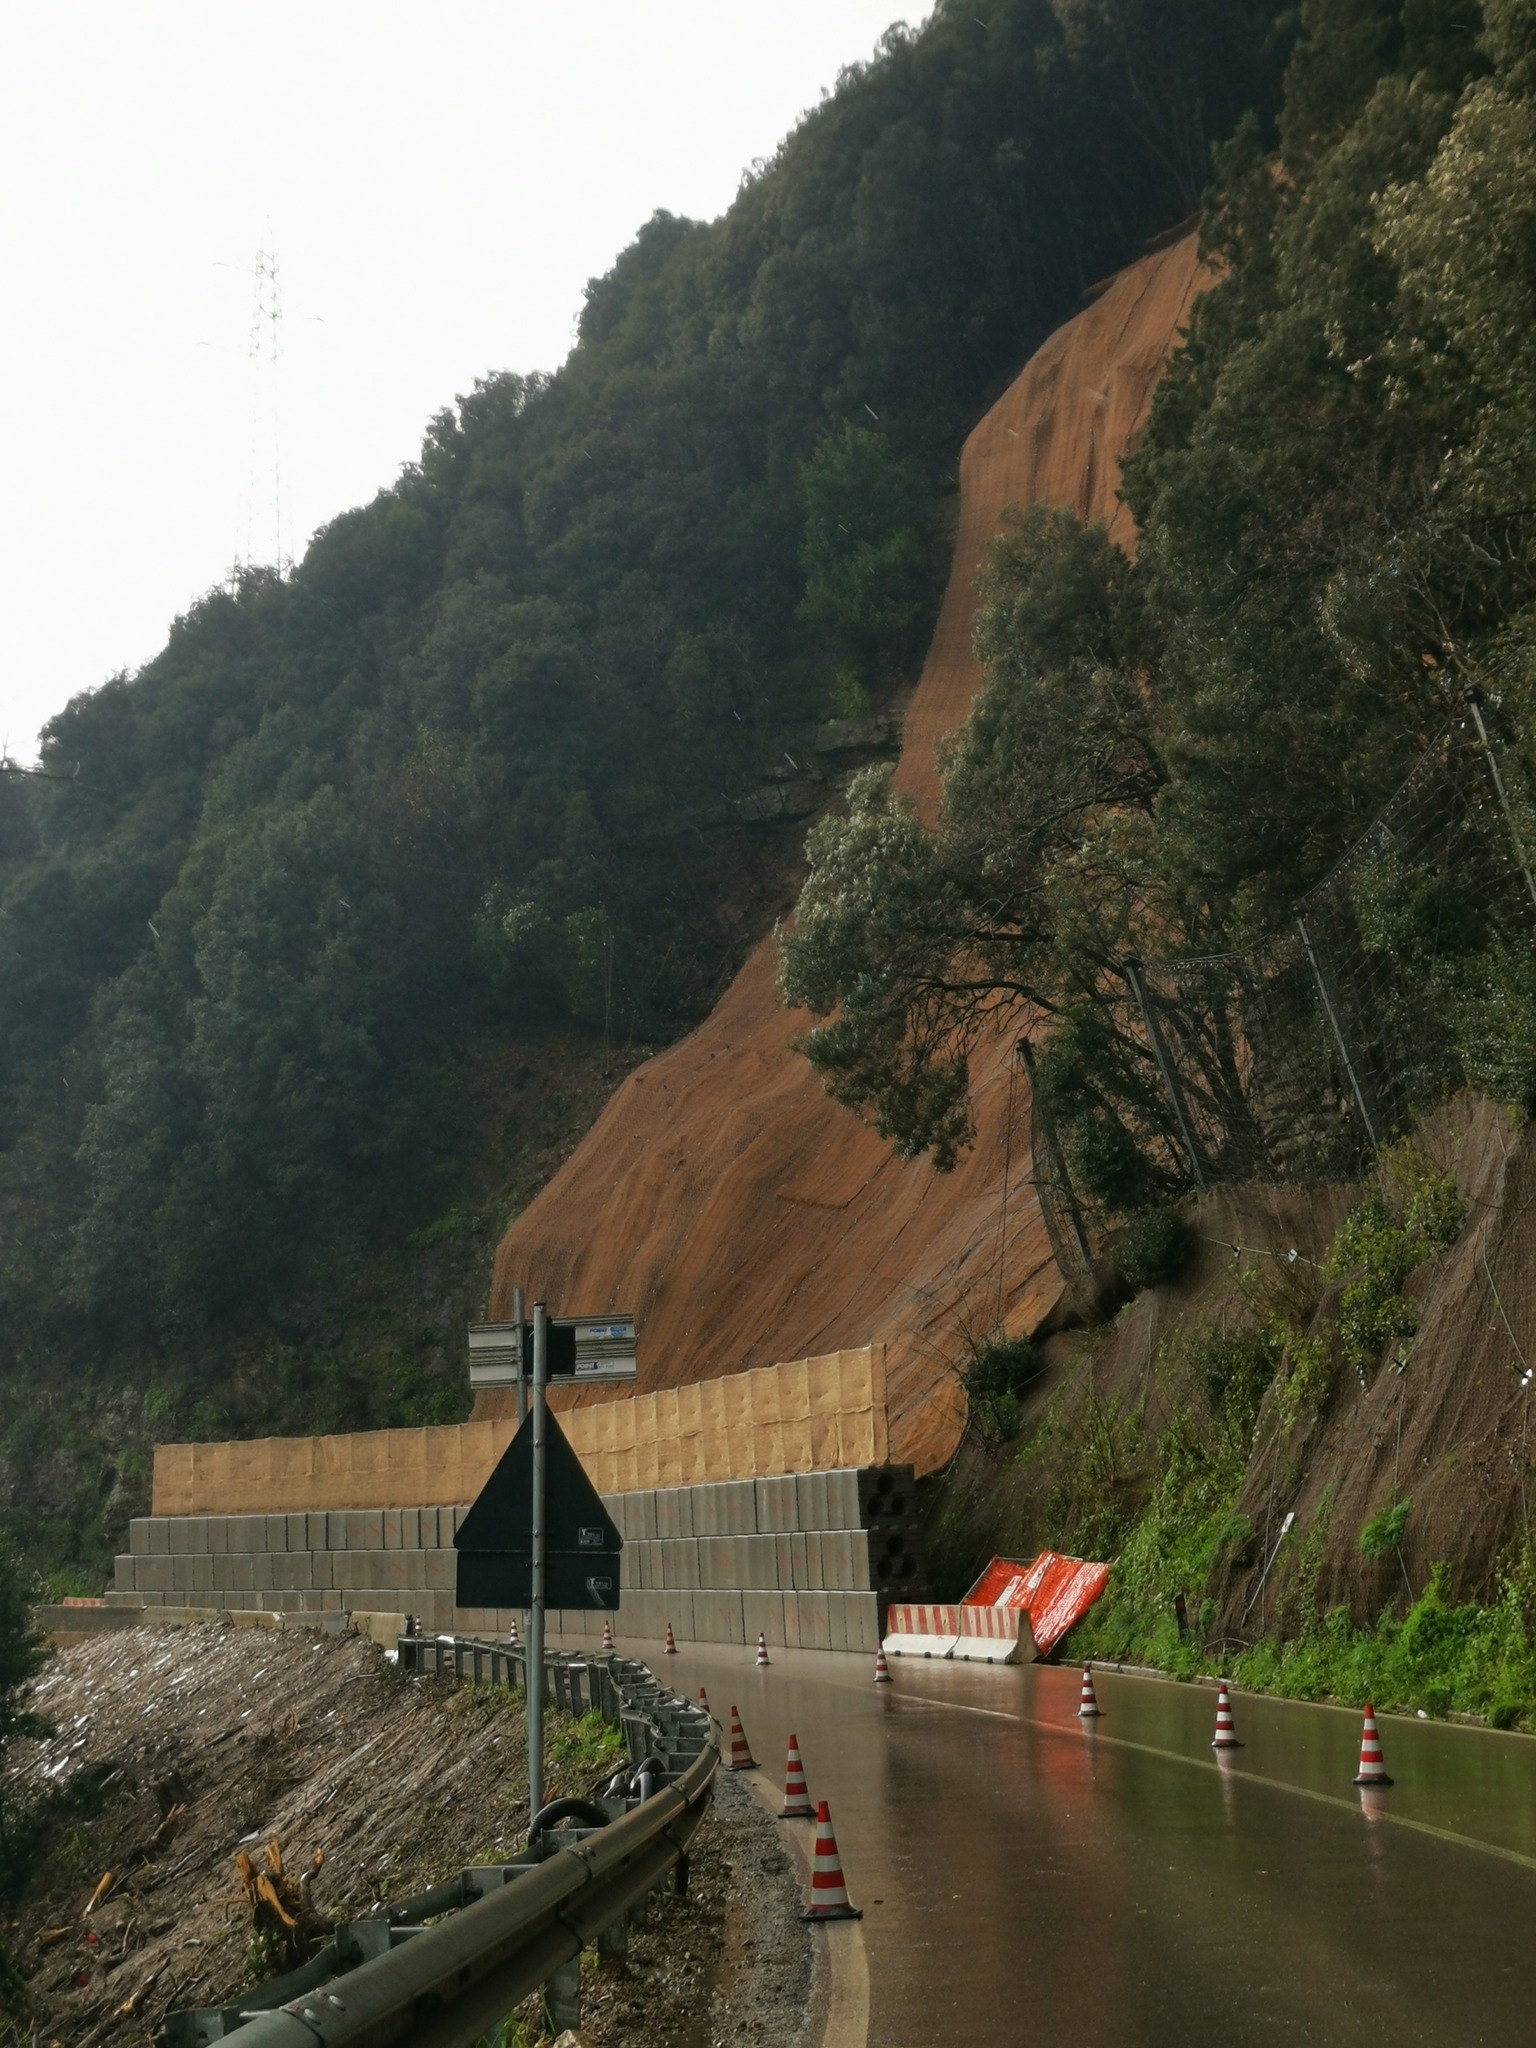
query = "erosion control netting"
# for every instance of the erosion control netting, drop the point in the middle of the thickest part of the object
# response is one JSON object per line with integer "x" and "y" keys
{"x": 1445, "y": 1428}
{"x": 1300, "y": 1057}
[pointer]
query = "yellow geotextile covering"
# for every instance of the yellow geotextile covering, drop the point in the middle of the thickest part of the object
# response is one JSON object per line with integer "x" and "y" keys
{"x": 811, "y": 1415}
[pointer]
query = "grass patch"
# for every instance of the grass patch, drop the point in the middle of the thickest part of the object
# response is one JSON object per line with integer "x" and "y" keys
{"x": 1383, "y": 1533}
{"x": 996, "y": 1375}
{"x": 583, "y": 1748}
{"x": 1414, "y": 1212}
{"x": 1189, "y": 1523}
{"x": 1442, "y": 1656}
{"x": 1154, "y": 1245}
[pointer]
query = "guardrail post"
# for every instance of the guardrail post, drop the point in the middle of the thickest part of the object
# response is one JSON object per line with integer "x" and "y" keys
{"x": 562, "y": 1998}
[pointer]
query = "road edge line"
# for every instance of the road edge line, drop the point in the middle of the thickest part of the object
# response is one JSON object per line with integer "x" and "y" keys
{"x": 846, "y": 2023}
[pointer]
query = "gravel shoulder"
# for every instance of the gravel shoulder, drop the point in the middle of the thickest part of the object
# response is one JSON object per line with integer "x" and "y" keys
{"x": 731, "y": 1962}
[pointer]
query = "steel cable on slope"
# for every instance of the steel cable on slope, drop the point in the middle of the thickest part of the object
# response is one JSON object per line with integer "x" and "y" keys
{"x": 1301, "y": 1056}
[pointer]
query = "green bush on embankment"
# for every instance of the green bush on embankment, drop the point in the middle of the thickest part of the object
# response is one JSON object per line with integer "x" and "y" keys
{"x": 1439, "y": 1656}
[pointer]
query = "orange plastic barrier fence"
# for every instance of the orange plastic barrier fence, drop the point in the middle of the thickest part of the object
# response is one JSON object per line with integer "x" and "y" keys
{"x": 1054, "y": 1591}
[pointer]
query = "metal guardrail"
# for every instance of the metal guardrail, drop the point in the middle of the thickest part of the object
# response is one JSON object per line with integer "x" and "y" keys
{"x": 508, "y": 1927}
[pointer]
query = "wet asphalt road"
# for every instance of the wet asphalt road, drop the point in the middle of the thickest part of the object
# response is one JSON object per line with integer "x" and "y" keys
{"x": 1027, "y": 1876}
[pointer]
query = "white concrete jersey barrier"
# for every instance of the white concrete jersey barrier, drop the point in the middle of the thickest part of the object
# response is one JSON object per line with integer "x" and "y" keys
{"x": 806, "y": 1559}
{"x": 968, "y": 1635}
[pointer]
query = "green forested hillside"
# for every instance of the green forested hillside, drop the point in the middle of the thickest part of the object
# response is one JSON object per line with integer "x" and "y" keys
{"x": 1240, "y": 841}
{"x": 1334, "y": 497}
{"x": 335, "y": 909}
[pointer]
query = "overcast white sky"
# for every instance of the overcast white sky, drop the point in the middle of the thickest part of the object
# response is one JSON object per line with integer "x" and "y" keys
{"x": 436, "y": 182}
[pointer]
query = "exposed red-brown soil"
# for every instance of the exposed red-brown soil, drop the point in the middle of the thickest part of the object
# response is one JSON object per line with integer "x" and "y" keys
{"x": 1057, "y": 436}
{"x": 721, "y": 1196}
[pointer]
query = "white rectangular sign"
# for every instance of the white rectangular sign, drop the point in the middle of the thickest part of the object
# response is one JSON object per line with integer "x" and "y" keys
{"x": 586, "y": 1348}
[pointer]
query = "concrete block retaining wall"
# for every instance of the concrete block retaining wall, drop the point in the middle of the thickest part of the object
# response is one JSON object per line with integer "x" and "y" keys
{"x": 809, "y": 1559}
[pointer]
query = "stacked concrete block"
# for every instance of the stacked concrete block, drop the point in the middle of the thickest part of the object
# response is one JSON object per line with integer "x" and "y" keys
{"x": 806, "y": 1559}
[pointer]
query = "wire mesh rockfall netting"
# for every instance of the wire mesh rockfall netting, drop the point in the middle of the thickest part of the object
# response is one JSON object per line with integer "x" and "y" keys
{"x": 1405, "y": 974}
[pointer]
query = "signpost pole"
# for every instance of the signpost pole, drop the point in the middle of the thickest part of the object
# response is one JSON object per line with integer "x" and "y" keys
{"x": 536, "y": 1610}
{"x": 523, "y": 1364}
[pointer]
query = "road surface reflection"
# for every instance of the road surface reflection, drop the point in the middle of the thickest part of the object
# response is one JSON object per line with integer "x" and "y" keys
{"x": 1027, "y": 1875}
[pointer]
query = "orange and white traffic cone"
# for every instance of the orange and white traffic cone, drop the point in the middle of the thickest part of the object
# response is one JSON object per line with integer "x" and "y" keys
{"x": 1088, "y": 1700}
{"x": 669, "y": 1648}
{"x": 512, "y": 1636}
{"x": 762, "y": 1648}
{"x": 882, "y": 1669}
{"x": 607, "y": 1635}
{"x": 829, "y": 1894}
{"x": 742, "y": 1758}
{"x": 703, "y": 1699}
{"x": 1226, "y": 1732}
{"x": 1373, "y": 1770}
{"x": 797, "y": 1797}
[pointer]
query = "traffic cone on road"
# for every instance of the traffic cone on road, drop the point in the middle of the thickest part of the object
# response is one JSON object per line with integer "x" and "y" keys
{"x": 797, "y": 1798}
{"x": 703, "y": 1699}
{"x": 607, "y": 1636}
{"x": 512, "y": 1635}
{"x": 669, "y": 1648}
{"x": 1226, "y": 1733}
{"x": 882, "y": 1669}
{"x": 829, "y": 1894}
{"x": 1088, "y": 1701}
{"x": 762, "y": 1648}
{"x": 742, "y": 1758}
{"x": 1373, "y": 1770}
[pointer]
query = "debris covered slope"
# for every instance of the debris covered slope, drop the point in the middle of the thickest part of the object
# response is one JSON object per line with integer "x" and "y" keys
{"x": 179, "y": 1750}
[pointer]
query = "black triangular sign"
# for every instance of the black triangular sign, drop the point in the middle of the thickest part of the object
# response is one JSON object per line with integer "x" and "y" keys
{"x": 501, "y": 1518}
